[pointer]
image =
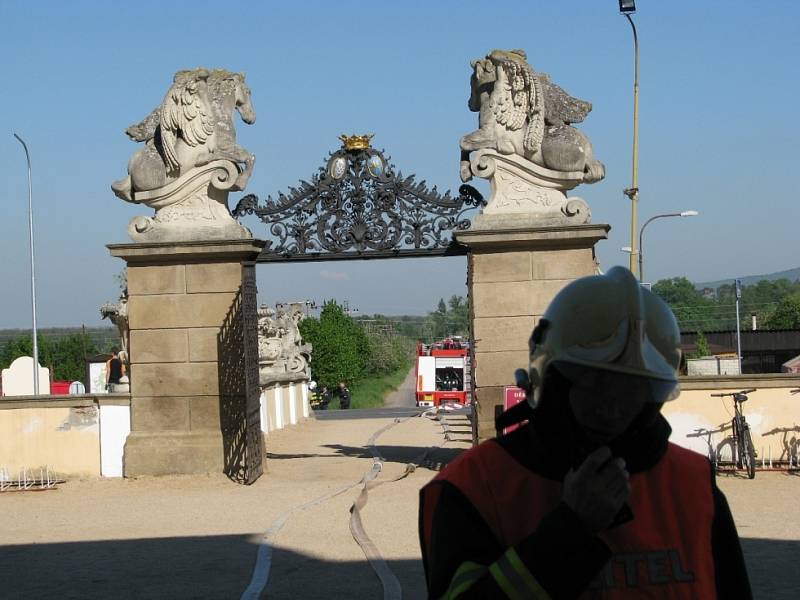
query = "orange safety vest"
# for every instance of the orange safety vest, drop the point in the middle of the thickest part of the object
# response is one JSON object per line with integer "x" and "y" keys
{"x": 664, "y": 552}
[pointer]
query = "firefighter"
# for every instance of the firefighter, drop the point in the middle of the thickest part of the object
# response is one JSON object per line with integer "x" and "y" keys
{"x": 589, "y": 499}
{"x": 344, "y": 396}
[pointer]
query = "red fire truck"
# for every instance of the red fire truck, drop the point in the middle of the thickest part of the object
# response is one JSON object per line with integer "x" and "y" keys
{"x": 443, "y": 373}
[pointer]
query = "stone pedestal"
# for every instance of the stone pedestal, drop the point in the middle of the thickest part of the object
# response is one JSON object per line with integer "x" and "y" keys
{"x": 180, "y": 294}
{"x": 514, "y": 273}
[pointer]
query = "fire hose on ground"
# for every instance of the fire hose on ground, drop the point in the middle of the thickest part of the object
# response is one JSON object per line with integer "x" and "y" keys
{"x": 391, "y": 585}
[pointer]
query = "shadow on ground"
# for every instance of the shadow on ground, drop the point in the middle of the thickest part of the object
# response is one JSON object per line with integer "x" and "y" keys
{"x": 221, "y": 567}
{"x": 772, "y": 567}
{"x": 217, "y": 567}
{"x": 396, "y": 454}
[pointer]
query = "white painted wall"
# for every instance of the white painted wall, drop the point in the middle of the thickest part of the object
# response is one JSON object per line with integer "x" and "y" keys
{"x": 264, "y": 411}
{"x": 115, "y": 425}
{"x": 712, "y": 365}
{"x": 292, "y": 404}
{"x": 284, "y": 404}
{"x": 18, "y": 378}
{"x": 278, "y": 395}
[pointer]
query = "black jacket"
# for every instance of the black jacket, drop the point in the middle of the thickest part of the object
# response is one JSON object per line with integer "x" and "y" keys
{"x": 562, "y": 556}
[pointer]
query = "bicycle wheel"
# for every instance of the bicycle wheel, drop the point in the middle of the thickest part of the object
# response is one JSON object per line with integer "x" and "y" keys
{"x": 749, "y": 455}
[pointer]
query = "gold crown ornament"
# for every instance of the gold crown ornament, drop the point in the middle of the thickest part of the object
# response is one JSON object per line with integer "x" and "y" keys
{"x": 356, "y": 142}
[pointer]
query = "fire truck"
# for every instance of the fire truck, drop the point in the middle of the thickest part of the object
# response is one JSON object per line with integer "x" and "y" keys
{"x": 443, "y": 372}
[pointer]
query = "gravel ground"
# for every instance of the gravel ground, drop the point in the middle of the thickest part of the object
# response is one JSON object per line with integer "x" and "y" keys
{"x": 198, "y": 537}
{"x": 764, "y": 513}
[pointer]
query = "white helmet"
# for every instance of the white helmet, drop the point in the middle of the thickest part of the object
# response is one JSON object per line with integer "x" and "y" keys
{"x": 608, "y": 322}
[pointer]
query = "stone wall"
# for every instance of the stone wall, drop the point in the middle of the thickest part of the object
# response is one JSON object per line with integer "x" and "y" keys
{"x": 175, "y": 313}
{"x": 712, "y": 365}
{"x": 772, "y": 412}
{"x": 73, "y": 436}
{"x": 179, "y": 297}
{"x": 513, "y": 276}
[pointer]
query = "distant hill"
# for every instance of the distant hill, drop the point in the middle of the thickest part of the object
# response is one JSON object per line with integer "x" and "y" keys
{"x": 791, "y": 275}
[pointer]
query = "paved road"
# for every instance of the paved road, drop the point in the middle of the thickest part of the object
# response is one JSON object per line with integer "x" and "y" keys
{"x": 405, "y": 394}
{"x": 399, "y": 404}
{"x": 289, "y": 534}
{"x": 199, "y": 537}
{"x": 389, "y": 412}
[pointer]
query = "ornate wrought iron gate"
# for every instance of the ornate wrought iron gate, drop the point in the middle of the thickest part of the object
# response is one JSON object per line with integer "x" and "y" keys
{"x": 240, "y": 406}
{"x": 358, "y": 207}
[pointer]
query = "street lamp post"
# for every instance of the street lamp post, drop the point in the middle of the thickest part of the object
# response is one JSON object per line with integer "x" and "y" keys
{"x": 33, "y": 273}
{"x": 627, "y": 8}
{"x": 686, "y": 213}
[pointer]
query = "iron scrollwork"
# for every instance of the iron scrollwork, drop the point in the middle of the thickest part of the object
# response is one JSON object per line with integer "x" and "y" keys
{"x": 357, "y": 206}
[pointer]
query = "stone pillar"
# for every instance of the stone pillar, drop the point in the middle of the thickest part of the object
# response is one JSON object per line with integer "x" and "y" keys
{"x": 179, "y": 296}
{"x": 513, "y": 275}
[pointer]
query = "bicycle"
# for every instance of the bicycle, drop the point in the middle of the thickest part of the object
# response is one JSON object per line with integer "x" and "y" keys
{"x": 742, "y": 440}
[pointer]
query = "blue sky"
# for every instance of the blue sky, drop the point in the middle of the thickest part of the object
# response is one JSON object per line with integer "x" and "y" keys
{"x": 718, "y": 125}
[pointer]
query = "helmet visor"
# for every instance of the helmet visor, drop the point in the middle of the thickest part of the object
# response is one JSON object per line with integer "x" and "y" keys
{"x": 604, "y": 381}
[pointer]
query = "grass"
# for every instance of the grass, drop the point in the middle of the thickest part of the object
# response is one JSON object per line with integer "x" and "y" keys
{"x": 371, "y": 392}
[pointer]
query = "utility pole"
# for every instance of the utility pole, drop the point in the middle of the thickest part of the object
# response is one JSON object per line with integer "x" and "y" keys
{"x": 627, "y": 8}
{"x": 33, "y": 273}
{"x": 738, "y": 326}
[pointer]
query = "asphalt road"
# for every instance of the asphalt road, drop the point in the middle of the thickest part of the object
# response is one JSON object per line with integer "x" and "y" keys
{"x": 399, "y": 404}
{"x": 390, "y": 412}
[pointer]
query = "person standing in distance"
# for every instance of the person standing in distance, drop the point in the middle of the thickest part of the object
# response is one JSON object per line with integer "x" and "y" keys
{"x": 115, "y": 369}
{"x": 344, "y": 396}
{"x": 589, "y": 499}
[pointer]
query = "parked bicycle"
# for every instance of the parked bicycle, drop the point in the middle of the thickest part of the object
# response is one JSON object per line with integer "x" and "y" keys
{"x": 745, "y": 452}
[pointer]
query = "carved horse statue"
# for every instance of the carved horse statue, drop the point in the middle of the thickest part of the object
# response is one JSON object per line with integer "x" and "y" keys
{"x": 193, "y": 126}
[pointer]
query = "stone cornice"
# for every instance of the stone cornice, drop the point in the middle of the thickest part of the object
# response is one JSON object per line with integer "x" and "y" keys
{"x": 516, "y": 234}
{"x": 185, "y": 252}
{"x": 65, "y": 401}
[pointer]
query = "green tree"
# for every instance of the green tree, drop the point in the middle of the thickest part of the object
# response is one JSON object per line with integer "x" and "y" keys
{"x": 690, "y": 308}
{"x": 388, "y": 352}
{"x": 340, "y": 346}
{"x": 695, "y": 312}
{"x": 69, "y": 356}
{"x": 701, "y": 346}
{"x": 23, "y": 346}
{"x": 458, "y": 316}
{"x": 122, "y": 280}
{"x": 440, "y": 326}
{"x": 786, "y": 315}
{"x": 678, "y": 291}
{"x": 444, "y": 321}
{"x": 65, "y": 356}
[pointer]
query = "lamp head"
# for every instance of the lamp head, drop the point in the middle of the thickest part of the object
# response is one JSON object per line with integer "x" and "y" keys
{"x": 627, "y": 7}
{"x": 689, "y": 213}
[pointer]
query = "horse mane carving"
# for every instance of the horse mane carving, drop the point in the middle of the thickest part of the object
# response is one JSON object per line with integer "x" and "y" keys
{"x": 185, "y": 112}
{"x": 190, "y": 159}
{"x": 523, "y": 113}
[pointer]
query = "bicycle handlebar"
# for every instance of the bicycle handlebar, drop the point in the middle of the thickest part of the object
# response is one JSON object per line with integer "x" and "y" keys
{"x": 745, "y": 392}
